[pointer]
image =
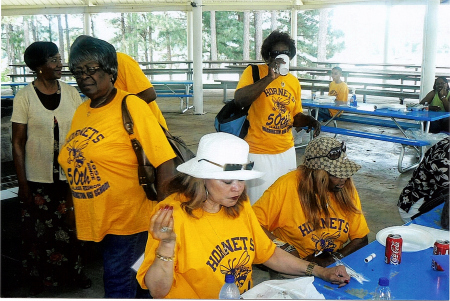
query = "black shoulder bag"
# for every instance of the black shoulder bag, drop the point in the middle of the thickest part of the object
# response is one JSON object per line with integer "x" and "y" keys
{"x": 146, "y": 171}
{"x": 233, "y": 118}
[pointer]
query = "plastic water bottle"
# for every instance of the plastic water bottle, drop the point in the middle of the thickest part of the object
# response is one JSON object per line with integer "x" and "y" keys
{"x": 229, "y": 290}
{"x": 353, "y": 101}
{"x": 383, "y": 292}
{"x": 425, "y": 106}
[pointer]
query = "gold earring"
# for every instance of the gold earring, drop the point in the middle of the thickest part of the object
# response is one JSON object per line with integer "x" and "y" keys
{"x": 40, "y": 71}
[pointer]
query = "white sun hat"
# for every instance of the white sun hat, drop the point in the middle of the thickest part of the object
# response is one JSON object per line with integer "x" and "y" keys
{"x": 221, "y": 156}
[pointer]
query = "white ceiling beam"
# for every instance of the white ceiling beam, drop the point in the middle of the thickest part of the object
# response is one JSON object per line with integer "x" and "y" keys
{"x": 90, "y": 6}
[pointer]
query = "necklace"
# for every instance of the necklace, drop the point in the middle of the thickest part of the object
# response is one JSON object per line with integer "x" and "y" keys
{"x": 100, "y": 103}
{"x": 58, "y": 91}
{"x": 107, "y": 98}
{"x": 226, "y": 251}
{"x": 96, "y": 106}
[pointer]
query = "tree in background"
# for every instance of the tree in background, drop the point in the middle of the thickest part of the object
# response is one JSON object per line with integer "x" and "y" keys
{"x": 308, "y": 37}
{"x": 163, "y": 35}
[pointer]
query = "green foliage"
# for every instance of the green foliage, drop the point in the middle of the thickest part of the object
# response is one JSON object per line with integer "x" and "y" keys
{"x": 12, "y": 39}
{"x": 229, "y": 34}
{"x": 308, "y": 32}
{"x": 163, "y": 35}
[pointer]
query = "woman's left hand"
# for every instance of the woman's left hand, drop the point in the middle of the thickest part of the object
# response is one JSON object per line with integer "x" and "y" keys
{"x": 315, "y": 124}
{"x": 336, "y": 275}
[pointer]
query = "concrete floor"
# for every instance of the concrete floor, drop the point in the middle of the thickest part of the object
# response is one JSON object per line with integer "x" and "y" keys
{"x": 378, "y": 182}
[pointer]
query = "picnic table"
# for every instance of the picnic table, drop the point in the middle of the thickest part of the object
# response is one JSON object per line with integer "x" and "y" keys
{"x": 377, "y": 117}
{"x": 412, "y": 279}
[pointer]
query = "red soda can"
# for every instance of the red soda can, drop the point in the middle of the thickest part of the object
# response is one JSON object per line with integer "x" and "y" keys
{"x": 393, "y": 253}
{"x": 440, "y": 248}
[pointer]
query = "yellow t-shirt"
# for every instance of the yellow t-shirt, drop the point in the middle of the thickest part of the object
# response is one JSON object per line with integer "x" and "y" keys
{"x": 130, "y": 78}
{"x": 279, "y": 211}
{"x": 201, "y": 260}
{"x": 271, "y": 115}
{"x": 101, "y": 167}
{"x": 340, "y": 91}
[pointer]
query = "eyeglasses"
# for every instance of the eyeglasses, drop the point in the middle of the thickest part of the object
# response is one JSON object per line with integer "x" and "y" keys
{"x": 231, "y": 167}
{"x": 275, "y": 53}
{"x": 77, "y": 74}
{"x": 334, "y": 154}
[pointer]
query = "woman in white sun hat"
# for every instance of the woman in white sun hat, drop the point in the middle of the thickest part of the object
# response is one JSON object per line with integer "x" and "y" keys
{"x": 315, "y": 211}
{"x": 206, "y": 229}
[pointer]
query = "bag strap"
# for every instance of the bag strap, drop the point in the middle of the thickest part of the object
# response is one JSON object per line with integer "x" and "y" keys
{"x": 255, "y": 73}
{"x": 256, "y": 77}
{"x": 128, "y": 124}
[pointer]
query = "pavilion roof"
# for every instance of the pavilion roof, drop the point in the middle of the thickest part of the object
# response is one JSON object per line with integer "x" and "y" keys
{"x": 37, "y": 7}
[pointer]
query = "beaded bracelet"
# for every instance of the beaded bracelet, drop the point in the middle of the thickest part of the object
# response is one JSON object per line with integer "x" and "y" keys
{"x": 164, "y": 258}
{"x": 290, "y": 248}
{"x": 338, "y": 255}
{"x": 310, "y": 268}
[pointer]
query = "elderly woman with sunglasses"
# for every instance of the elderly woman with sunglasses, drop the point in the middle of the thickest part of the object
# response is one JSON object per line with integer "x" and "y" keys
{"x": 207, "y": 229}
{"x": 315, "y": 211}
{"x": 98, "y": 159}
{"x": 275, "y": 107}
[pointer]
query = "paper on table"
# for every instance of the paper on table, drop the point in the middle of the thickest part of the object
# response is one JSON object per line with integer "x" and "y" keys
{"x": 436, "y": 233}
{"x": 367, "y": 107}
{"x": 297, "y": 288}
{"x": 326, "y": 99}
{"x": 138, "y": 263}
{"x": 396, "y": 107}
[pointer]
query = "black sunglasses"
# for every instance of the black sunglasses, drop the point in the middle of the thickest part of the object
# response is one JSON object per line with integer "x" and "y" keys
{"x": 334, "y": 153}
{"x": 275, "y": 53}
{"x": 77, "y": 74}
{"x": 231, "y": 167}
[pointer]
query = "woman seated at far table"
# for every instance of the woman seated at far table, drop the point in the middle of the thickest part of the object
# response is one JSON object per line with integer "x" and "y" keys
{"x": 207, "y": 229}
{"x": 315, "y": 210}
{"x": 438, "y": 101}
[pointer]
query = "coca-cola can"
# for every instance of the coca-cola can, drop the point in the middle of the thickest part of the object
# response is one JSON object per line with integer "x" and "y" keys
{"x": 393, "y": 253}
{"x": 440, "y": 248}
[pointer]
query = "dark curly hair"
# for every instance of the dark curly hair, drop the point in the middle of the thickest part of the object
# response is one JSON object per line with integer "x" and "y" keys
{"x": 38, "y": 53}
{"x": 440, "y": 77}
{"x": 86, "y": 48}
{"x": 274, "y": 38}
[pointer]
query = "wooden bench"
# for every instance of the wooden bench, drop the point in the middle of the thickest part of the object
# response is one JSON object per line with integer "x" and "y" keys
{"x": 394, "y": 139}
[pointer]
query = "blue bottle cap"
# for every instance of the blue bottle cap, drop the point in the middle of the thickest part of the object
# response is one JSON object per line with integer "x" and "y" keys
{"x": 229, "y": 278}
{"x": 383, "y": 281}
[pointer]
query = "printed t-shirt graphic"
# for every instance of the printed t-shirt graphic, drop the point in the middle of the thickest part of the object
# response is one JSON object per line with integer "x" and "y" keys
{"x": 101, "y": 167}
{"x": 271, "y": 115}
{"x": 275, "y": 208}
{"x": 209, "y": 247}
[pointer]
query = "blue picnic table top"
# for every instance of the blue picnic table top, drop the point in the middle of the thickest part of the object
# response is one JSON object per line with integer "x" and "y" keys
{"x": 411, "y": 115}
{"x": 412, "y": 279}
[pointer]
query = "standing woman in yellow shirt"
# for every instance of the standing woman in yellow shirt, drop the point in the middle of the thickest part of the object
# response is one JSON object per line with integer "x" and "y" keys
{"x": 111, "y": 208}
{"x": 275, "y": 108}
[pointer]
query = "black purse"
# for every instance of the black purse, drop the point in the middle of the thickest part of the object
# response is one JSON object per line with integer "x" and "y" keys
{"x": 231, "y": 118}
{"x": 146, "y": 171}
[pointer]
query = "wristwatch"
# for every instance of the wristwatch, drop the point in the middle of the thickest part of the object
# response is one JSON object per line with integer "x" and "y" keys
{"x": 278, "y": 242}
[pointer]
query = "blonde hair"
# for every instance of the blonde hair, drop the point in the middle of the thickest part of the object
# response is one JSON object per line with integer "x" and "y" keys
{"x": 313, "y": 194}
{"x": 195, "y": 191}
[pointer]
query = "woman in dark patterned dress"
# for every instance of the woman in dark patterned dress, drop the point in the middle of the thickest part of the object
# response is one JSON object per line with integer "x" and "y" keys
{"x": 42, "y": 114}
{"x": 429, "y": 185}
